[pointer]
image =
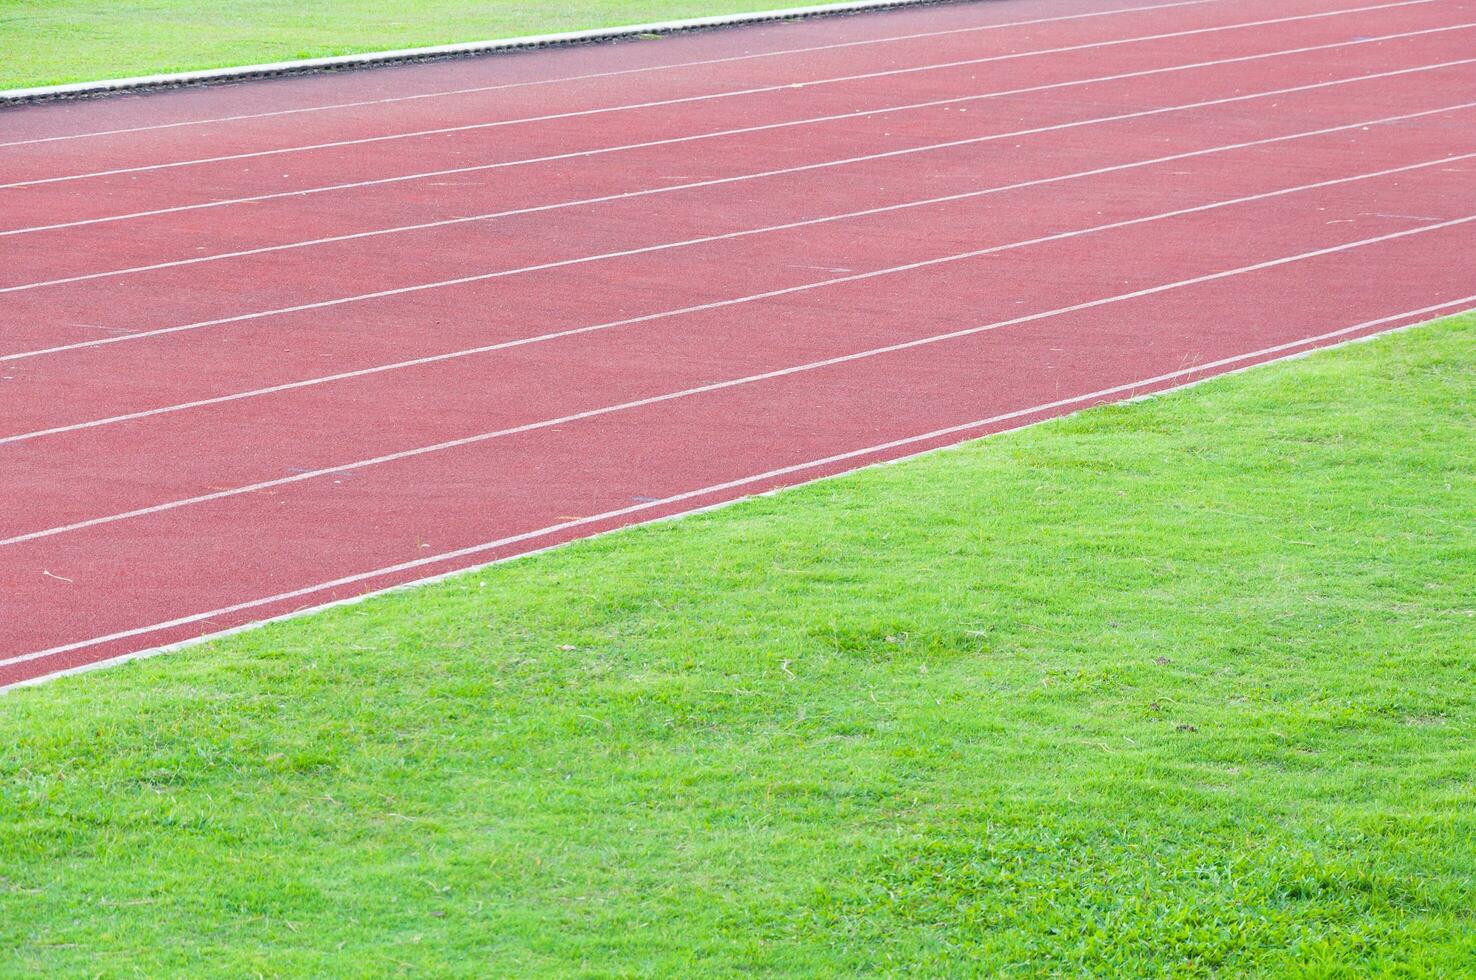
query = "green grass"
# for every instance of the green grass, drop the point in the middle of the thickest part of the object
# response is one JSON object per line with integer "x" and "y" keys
{"x": 46, "y": 42}
{"x": 1185, "y": 686}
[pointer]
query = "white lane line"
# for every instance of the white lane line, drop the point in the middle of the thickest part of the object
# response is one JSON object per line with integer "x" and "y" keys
{"x": 658, "y": 103}
{"x": 482, "y": 437}
{"x": 813, "y": 120}
{"x": 599, "y": 327}
{"x": 1201, "y": 373}
{"x": 665, "y": 189}
{"x": 463, "y": 280}
{"x": 611, "y": 74}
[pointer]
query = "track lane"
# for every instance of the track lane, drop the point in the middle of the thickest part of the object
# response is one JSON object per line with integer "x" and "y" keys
{"x": 173, "y": 282}
{"x": 47, "y": 204}
{"x": 714, "y": 81}
{"x": 582, "y": 468}
{"x": 211, "y": 564}
{"x": 41, "y": 320}
{"x": 306, "y": 430}
{"x": 391, "y": 85}
{"x": 296, "y": 350}
{"x": 159, "y": 235}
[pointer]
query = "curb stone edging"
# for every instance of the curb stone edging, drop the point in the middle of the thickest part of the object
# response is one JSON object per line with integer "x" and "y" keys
{"x": 439, "y": 52}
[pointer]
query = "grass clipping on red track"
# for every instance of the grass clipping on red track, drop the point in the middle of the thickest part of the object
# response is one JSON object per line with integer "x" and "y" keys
{"x": 1182, "y": 685}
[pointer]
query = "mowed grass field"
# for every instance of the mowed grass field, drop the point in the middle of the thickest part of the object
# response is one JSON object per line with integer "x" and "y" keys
{"x": 1185, "y": 686}
{"x": 47, "y": 42}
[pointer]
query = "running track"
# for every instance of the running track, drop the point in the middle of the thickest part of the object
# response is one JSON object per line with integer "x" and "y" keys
{"x": 272, "y": 345}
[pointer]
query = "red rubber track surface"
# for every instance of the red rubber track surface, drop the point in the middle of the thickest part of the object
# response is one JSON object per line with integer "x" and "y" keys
{"x": 273, "y": 345}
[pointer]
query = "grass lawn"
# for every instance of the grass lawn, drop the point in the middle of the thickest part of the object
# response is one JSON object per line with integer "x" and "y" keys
{"x": 1182, "y": 686}
{"x": 46, "y": 42}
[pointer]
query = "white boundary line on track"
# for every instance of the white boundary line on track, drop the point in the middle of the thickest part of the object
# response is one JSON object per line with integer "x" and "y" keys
{"x": 1276, "y": 353}
{"x": 786, "y": 124}
{"x": 598, "y": 327}
{"x": 736, "y": 382}
{"x": 403, "y": 290}
{"x": 684, "y": 100}
{"x": 672, "y": 188}
{"x": 609, "y": 74}
{"x": 303, "y": 66}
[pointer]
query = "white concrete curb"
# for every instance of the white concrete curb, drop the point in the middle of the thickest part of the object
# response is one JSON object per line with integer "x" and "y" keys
{"x": 76, "y": 90}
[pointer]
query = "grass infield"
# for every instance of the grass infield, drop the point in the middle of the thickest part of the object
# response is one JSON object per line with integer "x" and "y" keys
{"x": 49, "y": 42}
{"x": 1179, "y": 686}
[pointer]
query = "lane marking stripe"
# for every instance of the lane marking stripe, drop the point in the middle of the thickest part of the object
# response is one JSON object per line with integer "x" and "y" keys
{"x": 646, "y": 192}
{"x": 717, "y": 134}
{"x": 657, "y": 103}
{"x": 592, "y": 328}
{"x": 604, "y": 74}
{"x": 732, "y": 382}
{"x": 462, "y": 280}
{"x": 774, "y": 474}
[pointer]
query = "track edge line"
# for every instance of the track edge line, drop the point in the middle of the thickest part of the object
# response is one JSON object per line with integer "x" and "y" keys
{"x": 1459, "y": 310}
{"x": 440, "y": 52}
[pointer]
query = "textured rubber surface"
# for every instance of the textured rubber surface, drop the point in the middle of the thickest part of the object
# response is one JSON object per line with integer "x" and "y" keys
{"x": 264, "y": 349}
